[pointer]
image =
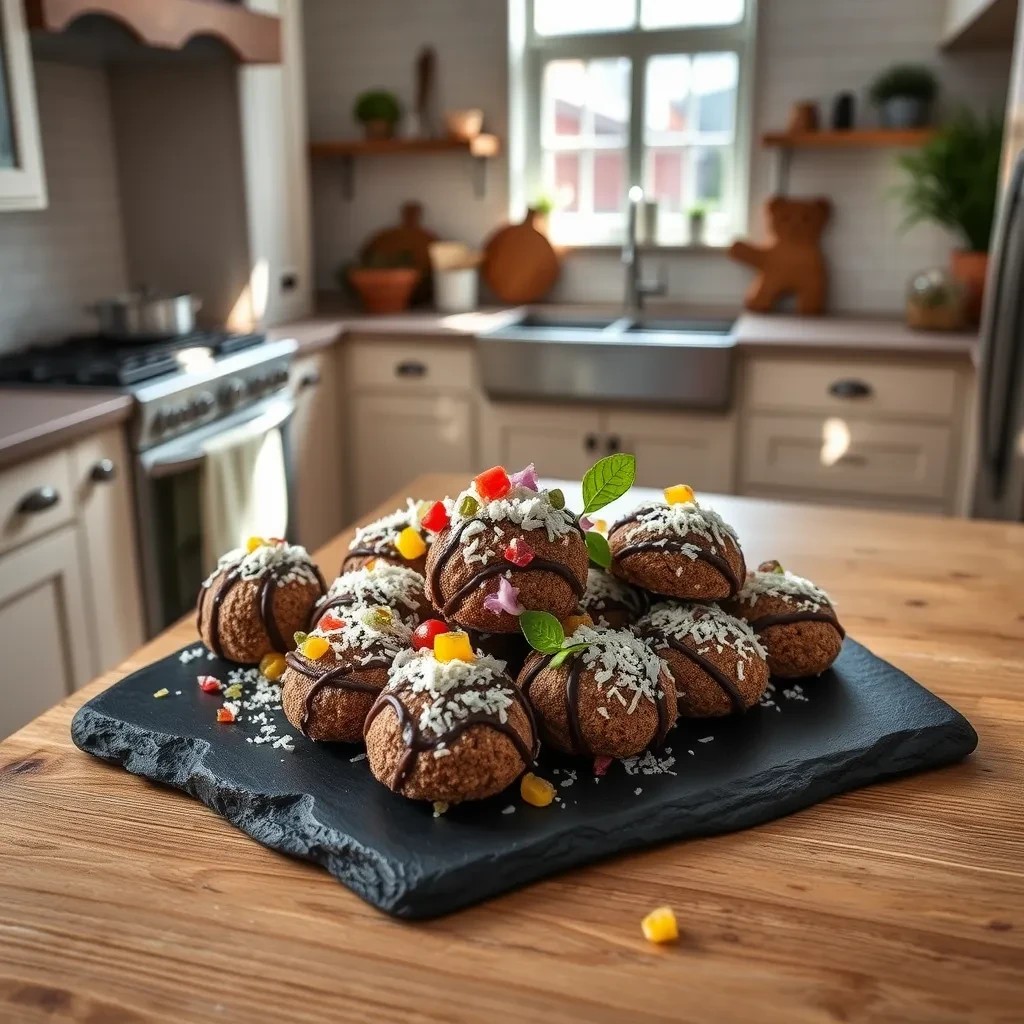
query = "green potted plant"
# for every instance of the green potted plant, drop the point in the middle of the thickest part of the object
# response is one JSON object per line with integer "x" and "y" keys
{"x": 953, "y": 180}
{"x": 904, "y": 95}
{"x": 378, "y": 112}
{"x": 383, "y": 284}
{"x": 698, "y": 221}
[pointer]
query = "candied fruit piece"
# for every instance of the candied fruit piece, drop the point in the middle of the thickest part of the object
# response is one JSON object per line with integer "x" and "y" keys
{"x": 234, "y": 691}
{"x": 602, "y": 764}
{"x": 370, "y": 565}
{"x": 162, "y": 692}
{"x": 253, "y": 543}
{"x": 272, "y": 666}
{"x": 468, "y": 506}
{"x": 519, "y": 553}
{"x": 380, "y": 619}
{"x": 211, "y": 684}
{"x": 660, "y": 925}
{"x": 299, "y": 637}
{"x": 225, "y": 715}
{"x": 573, "y": 622}
{"x": 424, "y": 634}
{"x": 556, "y": 498}
{"x": 330, "y": 622}
{"x": 493, "y": 483}
{"x": 435, "y": 519}
{"x": 453, "y": 647}
{"x": 440, "y": 807}
{"x": 680, "y": 494}
{"x": 772, "y": 566}
{"x": 314, "y": 647}
{"x": 410, "y": 544}
{"x": 536, "y": 791}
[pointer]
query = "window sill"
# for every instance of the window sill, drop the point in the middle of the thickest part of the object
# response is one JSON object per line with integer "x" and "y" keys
{"x": 717, "y": 249}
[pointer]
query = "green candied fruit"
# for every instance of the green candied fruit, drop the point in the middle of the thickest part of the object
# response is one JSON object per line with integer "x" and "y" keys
{"x": 557, "y": 498}
{"x": 469, "y": 506}
{"x": 300, "y": 638}
{"x": 379, "y": 619}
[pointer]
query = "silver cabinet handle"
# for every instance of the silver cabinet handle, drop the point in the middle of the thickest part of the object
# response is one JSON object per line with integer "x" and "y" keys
{"x": 103, "y": 471}
{"x": 39, "y": 500}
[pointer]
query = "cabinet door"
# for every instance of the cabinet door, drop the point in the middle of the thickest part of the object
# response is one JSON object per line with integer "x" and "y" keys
{"x": 562, "y": 442}
{"x": 398, "y": 437}
{"x": 22, "y": 185}
{"x": 43, "y": 631}
{"x": 316, "y": 448}
{"x": 676, "y": 448}
{"x": 106, "y": 522}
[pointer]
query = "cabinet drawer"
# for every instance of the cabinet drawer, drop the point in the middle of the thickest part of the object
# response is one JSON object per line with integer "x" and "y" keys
{"x": 26, "y": 493}
{"x": 848, "y": 456}
{"x": 852, "y": 388}
{"x": 410, "y": 365}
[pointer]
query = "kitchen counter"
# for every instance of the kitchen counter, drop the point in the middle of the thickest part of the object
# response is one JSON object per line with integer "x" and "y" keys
{"x": 905, "y": 901}
{"x": 35, "y": 420}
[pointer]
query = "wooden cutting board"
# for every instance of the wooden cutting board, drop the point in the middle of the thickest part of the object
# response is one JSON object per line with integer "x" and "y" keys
{"x": 519, "y": 263}
{"x": 408, "y": 238}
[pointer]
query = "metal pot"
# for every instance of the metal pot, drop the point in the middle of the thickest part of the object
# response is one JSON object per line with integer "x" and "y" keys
{"x": 144, "y": 314}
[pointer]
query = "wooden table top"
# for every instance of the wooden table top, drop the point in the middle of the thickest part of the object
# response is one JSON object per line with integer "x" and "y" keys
{"x": 124, "y": 901}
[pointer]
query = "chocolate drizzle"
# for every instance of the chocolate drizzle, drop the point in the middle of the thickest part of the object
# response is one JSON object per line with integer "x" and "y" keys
{"x": 728, "y": 687}
{"x": 416, "y": 743}
{"x": 787, "y": 619}
{"x": 340, "y": 677}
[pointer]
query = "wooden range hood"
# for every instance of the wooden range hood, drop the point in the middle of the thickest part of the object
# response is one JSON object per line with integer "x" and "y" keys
{"x": 169, "y": 24}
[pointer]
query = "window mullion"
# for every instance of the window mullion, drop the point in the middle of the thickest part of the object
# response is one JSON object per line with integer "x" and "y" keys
{"x": 637, "y": 87}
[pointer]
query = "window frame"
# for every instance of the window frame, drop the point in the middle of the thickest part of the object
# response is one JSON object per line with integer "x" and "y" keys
{"x": 529, "y": 52}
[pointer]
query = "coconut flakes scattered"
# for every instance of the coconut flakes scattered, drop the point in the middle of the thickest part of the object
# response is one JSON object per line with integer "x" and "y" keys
{"x": 511, "y": 809}
{"x": 357, "y": 635}
{"x": 795, "y": 590}
{"x": 603, "y": 589}
{"x": 650, "y": 763}
{"x": 290, "y": 563}
{"x": 387, "y": 528}
{"x": 192, "y": 654}
{"x": 703, "y": 627}
{"x": 682, "y": 520}
{"x": 624, "y": 661}
{"x": 522, "y": 507}
{"x": 394, "y": 586}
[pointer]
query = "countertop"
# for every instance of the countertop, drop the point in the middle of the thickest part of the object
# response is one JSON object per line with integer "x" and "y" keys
{"x": 35, "y": 420}
{"x": 902, "y": 902}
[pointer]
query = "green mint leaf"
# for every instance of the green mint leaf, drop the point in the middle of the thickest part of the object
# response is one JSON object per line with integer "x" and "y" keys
{"x": 597, "y": 548}
{"x": 566, "y": 652}
{"x": 543, "y": 631}
{"x": 609, "y": 478}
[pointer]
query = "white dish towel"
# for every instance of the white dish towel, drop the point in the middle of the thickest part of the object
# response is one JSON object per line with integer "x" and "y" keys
{"x": 244, "y": 489}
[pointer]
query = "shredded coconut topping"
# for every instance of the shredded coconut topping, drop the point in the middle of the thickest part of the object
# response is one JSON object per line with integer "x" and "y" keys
{"x": 794, "y": 590}
{"x": 704, "y": 627}
{"x": 388, "y": 527}
{"x": 389, "y": 585}
{"x": 529, "y": 510}
{"x": 290, "y": 563}
{"x": 603, "y": 587}
{"x": 624, "y": 668}
{"x": 681, "y": 520}
{"x": 356, "y": 635}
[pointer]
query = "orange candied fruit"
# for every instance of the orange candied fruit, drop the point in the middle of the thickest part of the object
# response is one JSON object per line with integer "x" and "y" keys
{"x": 225, "y": 715}
{"x": 492, "y": 483}
{"x": 573, "y": 622}
{"x": 314, "y": 647}
{"x": 660, "y": 925}
{"x": 410, "y": 544}
{"x": 536, "y": 791}
{"x": 272, "y": 666}
{"x": 253, "y": 543}
{"x": 453, "y": 647}
{"x": 680, "y": 494}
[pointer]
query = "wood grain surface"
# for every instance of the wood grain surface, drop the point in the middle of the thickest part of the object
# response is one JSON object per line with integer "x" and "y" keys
{"x": 124, "y": 902}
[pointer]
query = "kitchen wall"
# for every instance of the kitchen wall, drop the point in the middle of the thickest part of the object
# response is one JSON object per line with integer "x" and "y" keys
{"x": 807, "y": 49}
{"x": 53, "y": 261}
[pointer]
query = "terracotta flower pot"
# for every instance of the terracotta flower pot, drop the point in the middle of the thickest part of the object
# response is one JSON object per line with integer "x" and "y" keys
{"x": 969, "y": 268}
{"x": 386, "y": 289}
{"x": 379, "y": 129}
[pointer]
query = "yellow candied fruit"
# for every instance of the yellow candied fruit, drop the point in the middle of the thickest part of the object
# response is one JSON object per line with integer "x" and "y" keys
{"x": 272, "y": 666}
{"x": 680, "y": 494}
{"x": 253, "y": 543}
{"x": 314, "y": 647}
{"x": 573, "y": 622}
{"x": 162, "y": 692}
{"x": 660, "y": 925}
{"x": 536, "y": 791}
{"x": 234, "y": 691}
{"x": 453, "y": 647}
{"x": 410, "y": 544}
{"x": 370, "y": 565}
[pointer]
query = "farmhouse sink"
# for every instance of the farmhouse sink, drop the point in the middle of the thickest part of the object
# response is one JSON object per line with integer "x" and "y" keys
{"x": 684, "y": 363}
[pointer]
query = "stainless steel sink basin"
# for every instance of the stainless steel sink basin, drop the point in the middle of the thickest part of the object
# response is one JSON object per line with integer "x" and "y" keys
{"x": 685, "y": 363}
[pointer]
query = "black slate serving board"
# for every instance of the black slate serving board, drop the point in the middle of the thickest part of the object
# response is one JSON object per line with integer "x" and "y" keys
{"x": 861, "y": 722}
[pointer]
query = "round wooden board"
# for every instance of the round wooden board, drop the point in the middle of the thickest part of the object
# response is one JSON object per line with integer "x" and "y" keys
{"x": 408, "y": 238}
{"x": 520, "y": 265}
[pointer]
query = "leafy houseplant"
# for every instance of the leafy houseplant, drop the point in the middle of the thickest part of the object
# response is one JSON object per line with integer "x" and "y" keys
{"x": 698, "y": 218}
{"x": 952, "y": 180}
{"x": 378, "y": 112}
{"x": 904, "y": 95}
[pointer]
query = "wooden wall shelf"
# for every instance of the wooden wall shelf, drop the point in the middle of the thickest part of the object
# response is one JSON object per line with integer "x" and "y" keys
{"x": 170, "y": 24}
{"x": 481, "y": 148}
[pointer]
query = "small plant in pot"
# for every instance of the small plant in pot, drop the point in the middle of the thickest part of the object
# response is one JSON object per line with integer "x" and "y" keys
{"x": 382, "y": 284}
{"x": 378, "y": 112}
{"x": 904, "y": 95}
{"x": 953, "y": 180}
{"x": 698, "y": 221}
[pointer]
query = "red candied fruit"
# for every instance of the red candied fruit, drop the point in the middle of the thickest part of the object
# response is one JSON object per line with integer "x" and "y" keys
{"x": 601, "y": 765}
{"x": 519, "y": 553}
{"x": 493, "y": 483}
{"x": 330, "y": 622}
{"x": 209, "y": 684}
{"x": 435, "y": 519}
{"x": 423, "y": 635}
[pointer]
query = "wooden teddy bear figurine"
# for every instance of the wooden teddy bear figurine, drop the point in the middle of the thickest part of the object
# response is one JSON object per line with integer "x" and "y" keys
{"x": 792, "y": 261}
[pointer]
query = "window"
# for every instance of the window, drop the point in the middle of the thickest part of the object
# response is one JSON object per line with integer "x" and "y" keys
{"x": 612, "y": 93}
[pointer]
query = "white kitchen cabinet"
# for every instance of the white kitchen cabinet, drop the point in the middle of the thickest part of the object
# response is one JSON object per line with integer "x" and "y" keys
{"x": 316, "y": 440}
{"x": 563, "y": 441}
{"x": 44, "y": 632}
{"x": 22, "y": 181}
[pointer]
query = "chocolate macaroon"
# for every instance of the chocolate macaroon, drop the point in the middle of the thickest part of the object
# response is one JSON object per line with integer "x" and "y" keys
{"x": 449, "y": 731}
{"x": 506, "y": 547}
{"x": 610, "y": 601}
{"x": 256, "y": 598}
{"x": 793, "y": 618}
{"x": 384, "y": 585}
{"x": 716, "y": 661}
{"x": 334, "y": 677}
{"x": 379, "y": 541}
{"x": 614, "y": 699}
{"x": 678, "y": 550}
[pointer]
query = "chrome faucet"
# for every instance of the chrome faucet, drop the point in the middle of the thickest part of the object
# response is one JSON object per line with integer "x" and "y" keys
{"x": 636, "y": 287}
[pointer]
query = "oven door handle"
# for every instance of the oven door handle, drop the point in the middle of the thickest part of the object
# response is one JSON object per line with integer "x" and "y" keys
{"x": 178, "y": 457}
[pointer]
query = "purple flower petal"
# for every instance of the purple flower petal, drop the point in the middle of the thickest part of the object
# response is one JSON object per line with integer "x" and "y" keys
{"x": 525, "y": 478}
{"x": 585, "y": 523}
{"x": 505, "y": 600}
